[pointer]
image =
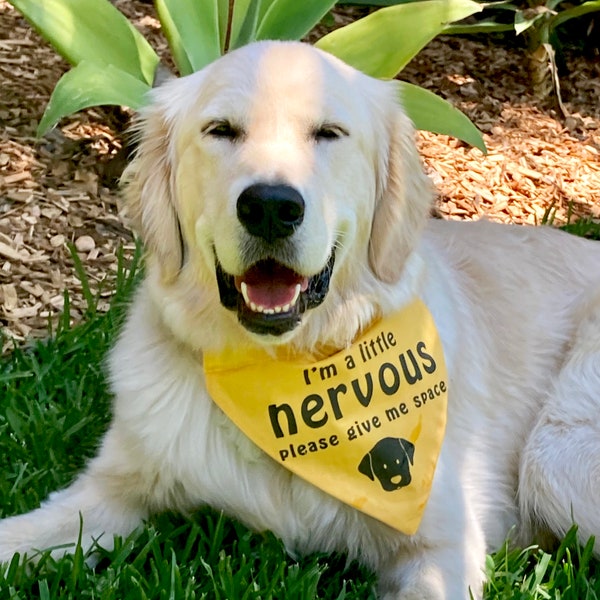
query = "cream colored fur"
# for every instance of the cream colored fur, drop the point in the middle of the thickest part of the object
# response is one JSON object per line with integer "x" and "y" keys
{"x": 518, "y": 310}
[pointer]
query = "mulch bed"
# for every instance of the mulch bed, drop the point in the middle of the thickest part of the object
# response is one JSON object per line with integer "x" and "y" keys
{"x": 57, "y": 194}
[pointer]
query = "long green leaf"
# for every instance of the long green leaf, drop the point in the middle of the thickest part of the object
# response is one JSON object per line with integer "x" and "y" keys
{"x": 91, "y": 30}
{"x": 245, "y": 22}
{"x": 575, "y": 11}
{"x": 523, "y": 23}
{"x": 432, "y": 113}
{"x": 92, "y": 84}
{"x": 192, "y": 28}
{"x": 489, "y": 26}
{"x": 174, "y": 38}
{"x": 264, "y": 7}
{"x": 292, "y": 19}
{"x": 383, "y": 43}
{"x": 374, "y": 2}
{"x": 223, "y": 14}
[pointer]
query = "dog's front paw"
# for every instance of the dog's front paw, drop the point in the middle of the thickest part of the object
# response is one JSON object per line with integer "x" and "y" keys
{"x": 427, "y": 591}
{"x": 423, "y": 589}
{"x": 430, "y": 590}
{"x": 433, "y": 574}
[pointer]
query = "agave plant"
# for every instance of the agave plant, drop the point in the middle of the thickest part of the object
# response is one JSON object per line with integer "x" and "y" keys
{"x": 538, "y": 21}
{"x": 113, "y": 63}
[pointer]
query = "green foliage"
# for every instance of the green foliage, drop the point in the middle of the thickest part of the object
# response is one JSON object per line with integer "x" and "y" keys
{"x": 374, "y": 2}
{"x": 207, "y": 556}
{"x": 106, "y": 85}
{"x": 371, "y": 44}
{"x": 584, "y": 228}
{"x": 183, "y": 20}
{"x": 541, "y": 21}
{"x": 48, "y": 416}
{"x": 569, "y": 573}
{"x": 538, "y": 19}
{"x": 432, "y": 113}
{"x": 92, "y": 30}
{"x": 113, "y": 64}
{"x": 288, "y": 20}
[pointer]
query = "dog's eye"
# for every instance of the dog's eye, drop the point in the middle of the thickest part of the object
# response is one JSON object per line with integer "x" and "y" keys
{"x": 221, "y": 129}
{"x": 329, "y": 132}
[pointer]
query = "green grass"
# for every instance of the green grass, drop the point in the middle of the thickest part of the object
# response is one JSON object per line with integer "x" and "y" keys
{"x": 207, "y": 556}
{"x": 54, "y": 404}
{"x": 584, "y": 228}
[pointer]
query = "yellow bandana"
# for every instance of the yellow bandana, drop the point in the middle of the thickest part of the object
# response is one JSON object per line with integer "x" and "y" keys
{"x": 364, "y": 425}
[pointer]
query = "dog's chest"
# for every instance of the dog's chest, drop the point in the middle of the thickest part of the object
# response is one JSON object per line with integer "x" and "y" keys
{"x": 216, "y": 464}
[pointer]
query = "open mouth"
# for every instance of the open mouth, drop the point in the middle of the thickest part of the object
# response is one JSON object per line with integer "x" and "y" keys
{"x": 270, "y": 297}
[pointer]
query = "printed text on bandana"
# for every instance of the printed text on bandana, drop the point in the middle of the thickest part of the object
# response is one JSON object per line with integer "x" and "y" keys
{"x": 365, "y": 425}
{"x": 390, "y": 372}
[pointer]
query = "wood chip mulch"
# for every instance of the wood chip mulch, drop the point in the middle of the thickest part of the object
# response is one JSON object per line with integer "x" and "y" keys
{"x": 57, "y": 193}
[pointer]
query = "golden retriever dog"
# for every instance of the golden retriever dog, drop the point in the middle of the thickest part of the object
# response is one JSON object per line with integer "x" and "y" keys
{"x": 284, "y": 208}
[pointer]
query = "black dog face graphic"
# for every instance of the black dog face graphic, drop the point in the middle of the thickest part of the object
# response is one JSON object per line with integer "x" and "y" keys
{"x": 389, "y": 460}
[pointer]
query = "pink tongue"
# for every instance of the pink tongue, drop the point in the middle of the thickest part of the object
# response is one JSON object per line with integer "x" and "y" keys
{"x": 270, "y": 284}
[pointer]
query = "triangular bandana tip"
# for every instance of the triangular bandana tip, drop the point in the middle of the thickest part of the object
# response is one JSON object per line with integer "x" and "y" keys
{"x": 365, "y": 425}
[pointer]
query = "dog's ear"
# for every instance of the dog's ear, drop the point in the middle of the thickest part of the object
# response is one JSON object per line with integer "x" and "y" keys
{"x": 409, "y": 449}
{"x": 149, "y": 193}
{"x": 404, "y": 199}
{"x": 366, "y": 467}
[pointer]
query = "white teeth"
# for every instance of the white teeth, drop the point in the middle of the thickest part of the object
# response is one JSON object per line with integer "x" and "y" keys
{"x": 269, "y": 311}
{"x": 245, "y": 293}
{"x": 296, "y": 295}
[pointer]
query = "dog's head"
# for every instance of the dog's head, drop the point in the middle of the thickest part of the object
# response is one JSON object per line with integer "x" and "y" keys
{"x": 389, "y": 461}
{"x": 272, "y": 180}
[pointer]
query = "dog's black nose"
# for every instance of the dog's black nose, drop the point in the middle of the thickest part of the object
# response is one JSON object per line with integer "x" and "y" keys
{"x": 270, "y": 211}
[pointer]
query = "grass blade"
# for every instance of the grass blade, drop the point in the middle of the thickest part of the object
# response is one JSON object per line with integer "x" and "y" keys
{"x": 89, "y": 297}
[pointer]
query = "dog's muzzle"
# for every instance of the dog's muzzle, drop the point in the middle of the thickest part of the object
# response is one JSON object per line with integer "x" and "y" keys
{"x": 270, "y": 297}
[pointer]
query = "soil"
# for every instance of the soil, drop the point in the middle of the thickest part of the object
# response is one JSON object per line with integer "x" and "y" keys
{"x": 58, "y": 197}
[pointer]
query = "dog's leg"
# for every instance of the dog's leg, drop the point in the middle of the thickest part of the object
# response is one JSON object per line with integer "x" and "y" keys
{"x": 102, "y": 502}
{"x": 560, "y": 469}
{"x": 442, "y": 573}
{"x": 446, "y": 559}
